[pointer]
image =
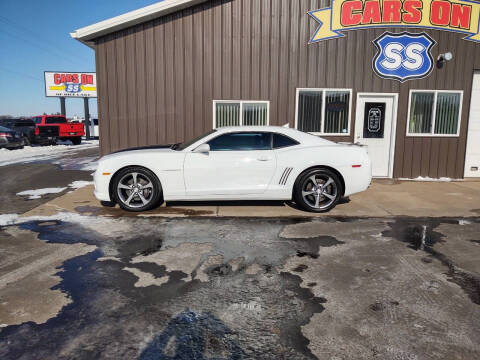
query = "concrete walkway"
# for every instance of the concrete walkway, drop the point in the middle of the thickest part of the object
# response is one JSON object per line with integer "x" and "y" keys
{"x": 383, "y": 199}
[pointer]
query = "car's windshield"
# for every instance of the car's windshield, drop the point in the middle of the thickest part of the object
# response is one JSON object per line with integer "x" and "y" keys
{"x": 181, "y": 147}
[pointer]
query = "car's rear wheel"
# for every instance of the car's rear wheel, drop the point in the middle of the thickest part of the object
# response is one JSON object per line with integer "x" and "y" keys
{"x": 318, "y": 190}
{"x": 137, "y": 189}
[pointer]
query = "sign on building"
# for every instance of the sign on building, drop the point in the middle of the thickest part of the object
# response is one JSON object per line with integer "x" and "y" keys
{"x": 403, "y": 56}
{"x": 461, "y": 16}
{"x": 70, "y": 84}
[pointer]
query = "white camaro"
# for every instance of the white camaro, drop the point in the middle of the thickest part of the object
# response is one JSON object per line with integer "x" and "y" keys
{"x": 236, "y": 163}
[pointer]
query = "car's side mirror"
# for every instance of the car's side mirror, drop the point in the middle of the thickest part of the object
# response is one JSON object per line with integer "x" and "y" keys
{"x": 202, "y": 149}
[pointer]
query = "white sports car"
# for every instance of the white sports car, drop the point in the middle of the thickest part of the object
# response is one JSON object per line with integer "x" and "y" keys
{"x": 235, "y": 163}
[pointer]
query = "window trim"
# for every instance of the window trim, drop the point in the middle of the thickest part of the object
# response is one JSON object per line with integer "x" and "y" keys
{"x": 241, "y": 102}
{"x": 435, "y": 97}
{"x": 324, "y": 91}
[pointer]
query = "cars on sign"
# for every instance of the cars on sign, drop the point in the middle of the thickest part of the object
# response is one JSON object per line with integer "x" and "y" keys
{"x": 235, "y": 163}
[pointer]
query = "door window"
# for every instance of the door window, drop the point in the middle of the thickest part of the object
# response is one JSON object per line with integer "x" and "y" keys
{"x": 374, "y": 122}
{"x": 246, "y": 141}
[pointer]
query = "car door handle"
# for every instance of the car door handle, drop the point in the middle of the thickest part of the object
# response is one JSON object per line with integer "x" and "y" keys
{"x": 264, "y": 159}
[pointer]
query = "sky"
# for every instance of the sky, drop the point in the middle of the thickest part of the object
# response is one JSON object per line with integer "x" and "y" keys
{"x": 35, "y": 37}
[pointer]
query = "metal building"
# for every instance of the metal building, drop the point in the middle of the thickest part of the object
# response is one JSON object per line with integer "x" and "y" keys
{"x": 397, "y": 75}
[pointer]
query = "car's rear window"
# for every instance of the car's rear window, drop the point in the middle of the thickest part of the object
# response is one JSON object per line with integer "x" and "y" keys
{"x": 4, "y": 129}
{"x": 55, "y": 120}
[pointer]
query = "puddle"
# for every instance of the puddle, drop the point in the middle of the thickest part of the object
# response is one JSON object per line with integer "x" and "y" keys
{"x": 300, "y": 268}
{"x": 418, "y": 234}
{"x": 220, "y": 270}
{"x": 310, "y": 247}
{"x": 382, "y": 305}
{"x": 421, "y": 236}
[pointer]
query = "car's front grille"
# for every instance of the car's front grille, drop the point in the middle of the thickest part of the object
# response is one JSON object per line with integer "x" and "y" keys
{"x": 285, "y": 176}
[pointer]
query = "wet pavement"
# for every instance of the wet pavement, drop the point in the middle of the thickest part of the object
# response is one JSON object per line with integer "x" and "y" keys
{"x": 85, "y": 287}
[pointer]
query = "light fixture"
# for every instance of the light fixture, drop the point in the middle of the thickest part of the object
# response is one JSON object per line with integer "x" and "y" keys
{"x": 443, "y": 58}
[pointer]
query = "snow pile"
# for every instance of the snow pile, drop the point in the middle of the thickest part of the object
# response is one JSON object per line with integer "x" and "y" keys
{"x": 37, "y": 153}
{"x": 428, "y": 179}
{"x": 80, "y": 184}
{"x": 37, "y": 194}
{"x": 78, "y": 163}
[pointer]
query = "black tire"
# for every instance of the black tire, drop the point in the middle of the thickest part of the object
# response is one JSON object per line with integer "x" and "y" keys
{"x": 123, "y": 189}
{"x": 76, "y": 140}
{"x": 317, "y": 198}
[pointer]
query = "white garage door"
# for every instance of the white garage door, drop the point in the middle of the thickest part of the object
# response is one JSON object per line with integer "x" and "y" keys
{"x": 472, "y": 161}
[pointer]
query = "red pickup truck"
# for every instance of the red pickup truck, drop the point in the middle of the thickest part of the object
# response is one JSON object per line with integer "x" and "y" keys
{"x": 66, "y": 130}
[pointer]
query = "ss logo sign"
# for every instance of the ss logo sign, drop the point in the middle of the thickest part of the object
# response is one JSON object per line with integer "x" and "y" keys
{"x": 403, "y": 56}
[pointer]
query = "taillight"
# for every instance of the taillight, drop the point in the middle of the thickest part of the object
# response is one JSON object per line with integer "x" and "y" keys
{"x": 4, "y": 134}
{"x": 37, "y": 131}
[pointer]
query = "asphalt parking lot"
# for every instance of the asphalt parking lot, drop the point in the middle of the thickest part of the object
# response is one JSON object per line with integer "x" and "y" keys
{"x": 240, "y": 289}
{"x": 83, "y": 285}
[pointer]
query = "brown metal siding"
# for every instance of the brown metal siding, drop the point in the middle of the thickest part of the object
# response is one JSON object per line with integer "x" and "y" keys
{"x": 157, "y": 80}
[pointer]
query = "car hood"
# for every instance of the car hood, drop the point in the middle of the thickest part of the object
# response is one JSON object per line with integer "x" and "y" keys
{"x": 142, "y": 152}
{"x": 153, "y": 147}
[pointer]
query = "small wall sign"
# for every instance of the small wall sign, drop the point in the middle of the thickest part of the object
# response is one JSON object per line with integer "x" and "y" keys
{"x": 403, "y": 56}
{"x": 462, "y": 16}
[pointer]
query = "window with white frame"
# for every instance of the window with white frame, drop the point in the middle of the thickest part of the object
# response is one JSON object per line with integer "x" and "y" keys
{"x": 434, "y": 113}
{"x": 324, "y": 111}
{"x": 240, "y": 113}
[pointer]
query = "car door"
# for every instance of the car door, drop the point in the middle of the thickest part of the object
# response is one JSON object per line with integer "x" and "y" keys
{"x": 239, "y": 163}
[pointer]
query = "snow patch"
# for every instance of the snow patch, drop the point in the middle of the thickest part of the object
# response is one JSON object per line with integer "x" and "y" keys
{"x": 428, "y": 179}
{"x": 38, "y": 153}
{"x": 80, "y": 184}
{"x": 38, "y": 193}
{"x": 464, "y": 222}
{"x": 7, "y": 219}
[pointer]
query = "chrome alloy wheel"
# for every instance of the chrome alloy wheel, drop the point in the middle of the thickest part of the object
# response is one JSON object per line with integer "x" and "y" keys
{"x": 319, "y": 191}
{"x": 135, "y": 190}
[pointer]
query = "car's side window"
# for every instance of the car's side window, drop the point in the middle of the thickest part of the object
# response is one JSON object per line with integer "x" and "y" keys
{"x": 244, "y": 141}
{"x": 282, "y": 141}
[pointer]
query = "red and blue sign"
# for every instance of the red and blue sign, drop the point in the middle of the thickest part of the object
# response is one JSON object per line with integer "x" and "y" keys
{"x": 403, "y": 56}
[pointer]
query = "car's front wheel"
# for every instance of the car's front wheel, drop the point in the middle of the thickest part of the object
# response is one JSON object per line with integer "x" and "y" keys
{"x": 136, "y": 189}
{"x": 318, "y": 190}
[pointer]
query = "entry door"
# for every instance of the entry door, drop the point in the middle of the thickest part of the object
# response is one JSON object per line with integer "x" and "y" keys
{"x": 375, "y": 128}
{"x": 472, "y": 160}
{"x": 238, "y": 164}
